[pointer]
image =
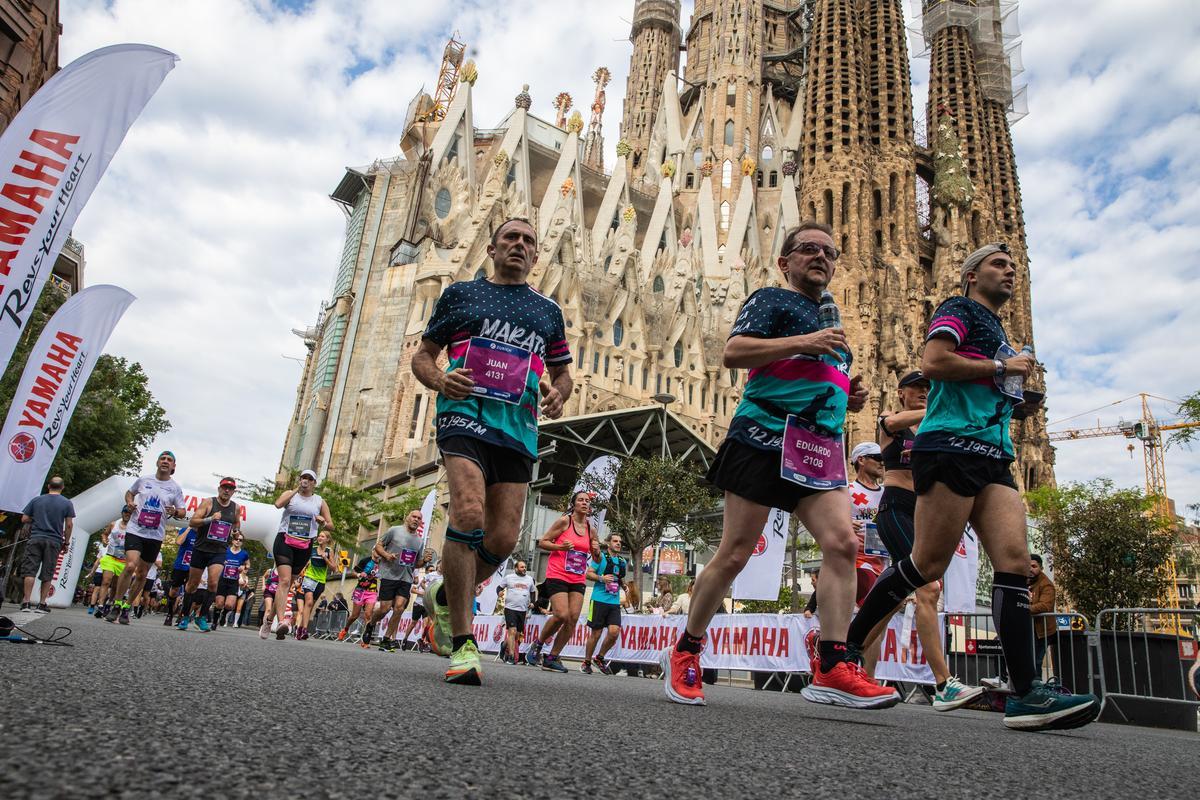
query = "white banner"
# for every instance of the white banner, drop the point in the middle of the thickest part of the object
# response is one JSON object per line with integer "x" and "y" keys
{"x": 958, "y": 584}
{"x": 52, "y": 156}
{"x": 600, "y": 477}
{"x": 59, "y": 367}
{"x": 760, "y": 578}
{"x": 756, "y": 642}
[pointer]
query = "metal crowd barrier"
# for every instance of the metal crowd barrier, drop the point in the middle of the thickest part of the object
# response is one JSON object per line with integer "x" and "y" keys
{"x": 326, "y": 624}
{"x": 1147, "y": 654}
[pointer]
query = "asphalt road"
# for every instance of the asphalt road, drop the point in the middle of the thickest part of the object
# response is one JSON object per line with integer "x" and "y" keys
{"x": 145, "y": 710}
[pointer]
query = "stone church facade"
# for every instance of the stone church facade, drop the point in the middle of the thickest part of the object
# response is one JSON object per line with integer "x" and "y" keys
{"x": 786, "y": 110}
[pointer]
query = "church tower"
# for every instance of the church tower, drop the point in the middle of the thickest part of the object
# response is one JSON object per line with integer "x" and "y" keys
{"x": 655, "y": 38}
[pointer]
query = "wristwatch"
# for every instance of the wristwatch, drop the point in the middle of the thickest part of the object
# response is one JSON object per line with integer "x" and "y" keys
{"x": 1001, "y": 369}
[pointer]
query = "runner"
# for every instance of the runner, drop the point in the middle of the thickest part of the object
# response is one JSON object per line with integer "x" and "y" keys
{"x": 217, "y": 520}
{"x": 245, "y": 599}
{"x": 961, "y": 471}
{"x": 570, "y": 541}
{"x": 785, "y": 450}
{"x": 519, "y": 588}
{"x": 153, "y": 498}
{"x": 304, "y": 513}
{"x": 270, "y": 583}
{"x": 608, "y": 571}
{"x": 113, "y": 562}
{"x": 895, "y": 527}
{"x": 865, "y": 491}
{"x": 185, "y": 541}
{"x": 97, "y": 572}
{"x": 502, "y": 336}
{"x": 235, "y": 566}
{"x": 366, "y": 572}
{"x": 400, "y": 552}
{"x": 419, "y": 615}
{"x": 145, "y": 600}
{"x": 312, "y": 582}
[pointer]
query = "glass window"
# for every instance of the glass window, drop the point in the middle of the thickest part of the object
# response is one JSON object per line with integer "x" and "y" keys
{"x": 679, "y": 354}
{"x": 618, "y": 332}
{"x": 659, "y": 286}
{"x": 727, "y": 174}
{"x": 697, "y": 157}
{"x": 724, "y": 219}
{"x": 729, "y": 133}
{"x": 767, "y": 153}
{"x": 441, "y": 203}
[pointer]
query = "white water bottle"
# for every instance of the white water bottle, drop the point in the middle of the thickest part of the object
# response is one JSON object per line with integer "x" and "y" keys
{"x": 1014, "y": 384}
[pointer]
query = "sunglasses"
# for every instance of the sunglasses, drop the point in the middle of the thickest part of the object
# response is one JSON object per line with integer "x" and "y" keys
{"x": 812, "y": 248}
{"x": 875, "y": 458}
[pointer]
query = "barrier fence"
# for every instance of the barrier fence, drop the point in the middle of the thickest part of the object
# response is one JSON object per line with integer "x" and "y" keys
{"x": 1060, "y": 649}
{"x": 1147, "y": 654}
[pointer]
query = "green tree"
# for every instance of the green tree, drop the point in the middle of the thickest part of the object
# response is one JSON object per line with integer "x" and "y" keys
{"x": 1189, "y": 411}
{"x": 651, "y": 495}
{"x": 1107, "y": 545}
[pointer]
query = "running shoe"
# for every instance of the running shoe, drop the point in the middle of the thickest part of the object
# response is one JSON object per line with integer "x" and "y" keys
{"x": 282, "y": 631}
{"x": 91, "y": 609}
{"x": 553, "y": 664}
{"x": 586, "y": 667}
{"x": 41, "y": 608}
{"x": 848, "y": 685}
{"x": 681, "y": 677}
{"x": 534, "y": 656}
{"x": 466, "y": 667}
{"x": 113, "y": 612}
{"x": 101, "y": 610}
{"x": 341, "y": 637}
{"x": 1047, "y": 707}
{"x": 603, "y": 665}
{"x": 202, "y": 623}
{"x": 302, "y": 634}
{"x": 264, "y": 630}
{"x": 995, "y": 683}
{"x": 27, "y": 606}
{"x": 183, "y": 624}
{"x": 955, "y": 694}
{"x": 124, "y": 616}
{"x": 366, "y": 641}
{"x": 167, "y": 621}
{"x": 441, "y": 638}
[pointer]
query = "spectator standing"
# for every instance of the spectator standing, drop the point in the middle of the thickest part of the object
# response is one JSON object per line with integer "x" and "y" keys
{"x": 51, "y": 518}
{"x": 1041, "y": 601}
{"x": 663, "y": 596}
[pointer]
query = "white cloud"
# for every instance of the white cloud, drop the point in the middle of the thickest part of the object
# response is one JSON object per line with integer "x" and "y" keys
{"x": 215, "y": 212}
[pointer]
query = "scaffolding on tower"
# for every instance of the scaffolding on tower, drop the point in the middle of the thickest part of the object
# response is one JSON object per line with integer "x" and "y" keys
{"x": 447, "y": 85}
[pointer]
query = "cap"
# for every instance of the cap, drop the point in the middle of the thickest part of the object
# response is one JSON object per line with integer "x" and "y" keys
{"x": 126, "y": 509}
{"x": 230, "y": 482}
{"x": 864, "y": 449}
{"x": 972, "y": 262}
{"x": 913, "y": 377}
{"x": 308, "y": 473}
{"x": 167, "y": 453}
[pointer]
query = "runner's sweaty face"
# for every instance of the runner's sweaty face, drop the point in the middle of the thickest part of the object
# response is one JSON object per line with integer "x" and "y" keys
{"x": 804, "y": 272}
{"x": 413, "y": 520}
{"x": 995, "y": 278}
{"x": 515, "y": 250}
{"x": 914, "y": 396}
{"x": 166, "y": 464}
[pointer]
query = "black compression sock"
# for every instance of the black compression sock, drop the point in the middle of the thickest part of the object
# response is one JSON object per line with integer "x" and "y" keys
{"x": 441, "y": 594}
{"x": 896, "y": 583}
{"x": 459, "y": 641}
{"x": 690, "y": 644}
{"x": 1010, "y": 611}
{"x": 832, "y": 653}
{"x": 205, "y": 602}
{"x": 188, "y": 600}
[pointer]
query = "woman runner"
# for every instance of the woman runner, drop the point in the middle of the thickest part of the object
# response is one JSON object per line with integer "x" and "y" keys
{"x": 313, "y": 581}
{"x": 304, "y": 513}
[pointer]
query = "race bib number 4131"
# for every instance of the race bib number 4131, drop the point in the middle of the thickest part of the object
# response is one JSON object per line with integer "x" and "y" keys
{"x": 500, "y": 370}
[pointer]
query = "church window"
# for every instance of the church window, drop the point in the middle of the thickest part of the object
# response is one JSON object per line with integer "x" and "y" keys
{"x": 678, "y": 354}
{"x": 767, "y": 153}
{"x": 697, "y": 157}
{"x": 725, "y": 216}
{"x": 441, "y": 203}
{"x": 727, "y": 174}
{"x": 729, "y": 132}
{"x": 773, "y": 179}
{"x": 618, "y": 332}
{"x": 659, "y": 286}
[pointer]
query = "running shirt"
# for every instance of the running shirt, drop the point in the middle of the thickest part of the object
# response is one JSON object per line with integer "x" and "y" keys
{"x": 150, "y": 501}
{"x": 101, "y": 549}
{"x": 183, "y": 558}
{"x": 517, "y": 591}
{"x": 609, "y": 565}
{"x": 898, "y": 453}
{"x": 368, "y": 579}
{"x": 570, "y": 566}
{"x": 298, "y": 523}
{"x": 318, "y": 565}
{"x": 152, "y": 573}
{"x": 233, "y": 563}
{"x": 970, "y": 417}
{"x": 813, "y": 388}
{"x": 214, "y": 536}
{"x": 864, "y": 505}
{"x": 408, "y": 546}
{"x": 426, "y": 579}
{"x": 116, "y": 541}
{"x": 516, "y": 332}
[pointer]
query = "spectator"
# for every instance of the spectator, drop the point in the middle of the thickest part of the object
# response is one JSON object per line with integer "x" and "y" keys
{"x": 684, "y": 601}
{"x": 632, "y": 602}
{"x": 51, "y": 518}
{"x": 1041, "y": 601}
{"x": 663, "y": 597}
{"x": 338, "y": 603}
{"x": 811, "y": 608}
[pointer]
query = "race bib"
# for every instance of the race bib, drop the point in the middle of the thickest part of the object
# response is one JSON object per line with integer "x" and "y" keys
{"x": 309, "y": 584}
{"x": 576, "y": 562}
{"x": 613, "y": 587}
{"x": 872, "y": 544}
{"x": 408, "y": 557}
{"x": 300, "y": 525}
{"x": 187, "y": 558}
{"x": 219, "y": 531}
{"x": 810, "y": 458}
{"x": 500, "y": 370}
{"x": 149, "y": 518}
{"x": 230, "y": 571}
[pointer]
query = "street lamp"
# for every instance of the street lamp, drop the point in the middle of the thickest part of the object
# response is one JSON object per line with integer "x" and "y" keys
{"x": 665, "y": 399}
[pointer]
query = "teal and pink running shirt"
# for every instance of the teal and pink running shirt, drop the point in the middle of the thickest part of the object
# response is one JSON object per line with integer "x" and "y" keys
{"x": 813, "y": 388}
{"x": 507, "y": 335}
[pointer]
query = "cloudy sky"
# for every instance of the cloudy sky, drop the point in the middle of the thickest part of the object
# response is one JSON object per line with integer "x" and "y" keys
{"x": 215, "y": 212}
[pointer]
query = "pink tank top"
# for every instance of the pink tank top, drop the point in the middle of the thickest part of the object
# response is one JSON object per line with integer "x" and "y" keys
{"x": 570, "y": 566}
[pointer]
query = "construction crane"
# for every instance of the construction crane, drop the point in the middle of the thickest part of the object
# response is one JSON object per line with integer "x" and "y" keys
{"x": 447, "y": 85}
{"x": 1148, "y": 431}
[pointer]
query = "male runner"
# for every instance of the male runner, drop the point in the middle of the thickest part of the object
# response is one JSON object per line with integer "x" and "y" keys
{"x": 363, "y": 598}
{"x": 502, "y": 336}
{"x": 519, "y": 588}
{"x": 217, "y": 520}
{"x": 785, "y": 450}
{"x": 153, "y": 498}
{"x": 418, "y": 614}
{"x": 113, "y": 562}
{"x": 400, "y": 552}
{"x": 961, "y": 473}
{"x": 895, "y": 526}
{"x": 180, "y": 571}
{"x": 97, "y": 572}
{"x": 608, "y": 571}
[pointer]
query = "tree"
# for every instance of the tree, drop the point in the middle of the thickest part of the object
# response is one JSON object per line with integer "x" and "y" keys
{"x": 1189, "y": 411}
{"x": 1107, "y": 545}
{"x": 651, "y": 495}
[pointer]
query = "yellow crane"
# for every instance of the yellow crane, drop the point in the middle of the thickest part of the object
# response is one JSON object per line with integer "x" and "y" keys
{"x": 447, "y": 85}
{"x": 1148, "y": 431}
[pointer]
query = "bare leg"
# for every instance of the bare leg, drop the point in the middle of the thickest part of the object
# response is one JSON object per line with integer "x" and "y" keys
{"x": 824, "y": 515}
{"x": 398, "y": 606}
{"x": 566, "y": 628}
{"x": 592, "y": 640}
{"x": 614, "y": 635}
{"x": 743, "y": 524}
{"x": 467, "y": 494}
{"x": 30, "y": 580}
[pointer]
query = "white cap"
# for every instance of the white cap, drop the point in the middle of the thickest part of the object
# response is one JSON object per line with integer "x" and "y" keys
{"x": 308, "y": 473}
{"x": 864, "y": 449}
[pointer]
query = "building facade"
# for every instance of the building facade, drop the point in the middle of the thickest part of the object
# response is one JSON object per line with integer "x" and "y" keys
{"x": 29, "y": 31}
{"x": 785, "y": 111}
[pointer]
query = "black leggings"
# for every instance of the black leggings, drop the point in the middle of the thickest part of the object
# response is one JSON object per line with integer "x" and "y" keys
{"x": 894, "y": 521}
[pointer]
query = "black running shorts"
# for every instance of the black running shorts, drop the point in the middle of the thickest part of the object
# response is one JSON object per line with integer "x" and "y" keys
{"x": 965, "y": 474}
{"x": 895, "y": 521}
{"x": 147, "y": 549}
{"x": 603, "y": 615}
{"x": 288, "y": 556}
{"x": 753, "y": 474}
{"x": 390, "y": 589}
{"x": 555, "y": 586}
{"x": 514, "y": 619}
{"x": 203, "y": 561}
{"x": 498, "y": 464}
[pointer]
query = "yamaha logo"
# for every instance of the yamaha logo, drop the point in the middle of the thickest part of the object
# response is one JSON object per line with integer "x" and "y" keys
{"x": 22, "y": 447}
{"x": 760, "y": 546}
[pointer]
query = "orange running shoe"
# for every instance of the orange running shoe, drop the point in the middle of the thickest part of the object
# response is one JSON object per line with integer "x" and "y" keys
{"x": 681, "y": 677}
{"x": 342, "y": 635}
{"x": 848, "y": 684}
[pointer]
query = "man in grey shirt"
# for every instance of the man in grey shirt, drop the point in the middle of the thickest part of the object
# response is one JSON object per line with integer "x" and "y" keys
{"x": 51, "y": 518}
{"x": 399, "y": 552}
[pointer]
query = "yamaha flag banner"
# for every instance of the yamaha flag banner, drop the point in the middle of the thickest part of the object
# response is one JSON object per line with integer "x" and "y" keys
{"x": 961, "y": 575}
{"x": 52, "y": 156}
{"x": 759, "y": 579}
{"x": 58, "y": 369}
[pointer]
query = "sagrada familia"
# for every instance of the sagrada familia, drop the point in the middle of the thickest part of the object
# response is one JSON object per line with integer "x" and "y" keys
{"x": 786, "y": 110}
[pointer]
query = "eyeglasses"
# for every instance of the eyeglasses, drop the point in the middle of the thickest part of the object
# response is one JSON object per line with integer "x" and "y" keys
{"x": 812, "y": 248}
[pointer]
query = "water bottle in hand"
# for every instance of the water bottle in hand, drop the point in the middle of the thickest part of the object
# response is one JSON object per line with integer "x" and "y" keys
{"x": 1014, "y": 384}
{"x": 828, "y": 316}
